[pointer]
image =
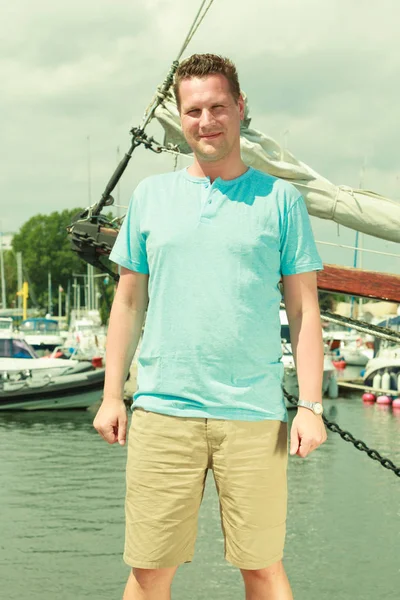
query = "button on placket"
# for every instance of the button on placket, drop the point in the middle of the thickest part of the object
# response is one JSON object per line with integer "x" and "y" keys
{"x": 206, "y": 212}
{"x": 212, "y": 201}
{"x": 208, "y": 207}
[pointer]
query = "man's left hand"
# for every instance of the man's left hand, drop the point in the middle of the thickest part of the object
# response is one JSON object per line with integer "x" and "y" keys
{"x": 307, "y": 433}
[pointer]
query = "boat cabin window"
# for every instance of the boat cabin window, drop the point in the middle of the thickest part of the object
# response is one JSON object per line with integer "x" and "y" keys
{"x": 10, "y": 348}
{"x": 6, "y": 324}
{"x": 39, "y": 326}
{"x": 48, "y": 326}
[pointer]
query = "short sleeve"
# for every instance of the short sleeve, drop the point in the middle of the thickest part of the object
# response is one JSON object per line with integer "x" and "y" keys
{"x": 299, "y": 252}
{"x": 129, "y": 249}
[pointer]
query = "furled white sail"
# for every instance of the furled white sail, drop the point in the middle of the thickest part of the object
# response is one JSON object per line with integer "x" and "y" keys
{"x": 361, "y": 210}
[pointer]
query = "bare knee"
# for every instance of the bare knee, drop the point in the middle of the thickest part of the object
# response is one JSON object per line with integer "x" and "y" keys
{"x": 265, "y": 574}
{"x": 148, "y": 578}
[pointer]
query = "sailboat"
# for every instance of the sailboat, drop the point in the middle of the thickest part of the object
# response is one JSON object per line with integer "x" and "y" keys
{"x": 93, "y": 234}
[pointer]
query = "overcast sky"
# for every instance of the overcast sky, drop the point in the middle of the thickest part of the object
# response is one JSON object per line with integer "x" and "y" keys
{"x": 325, "y": 71}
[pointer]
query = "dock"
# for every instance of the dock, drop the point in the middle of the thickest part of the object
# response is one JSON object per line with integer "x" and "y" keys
{"x": 366, "y": 388}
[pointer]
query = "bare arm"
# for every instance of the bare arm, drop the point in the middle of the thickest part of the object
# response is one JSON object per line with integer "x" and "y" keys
{"x": 123, "y": 335}
{"x": 302, "y": 308}
{"x": 124, "y": 330}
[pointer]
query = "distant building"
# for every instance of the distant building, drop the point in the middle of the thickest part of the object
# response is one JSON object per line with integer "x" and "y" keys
{"x": 5, "y": 240}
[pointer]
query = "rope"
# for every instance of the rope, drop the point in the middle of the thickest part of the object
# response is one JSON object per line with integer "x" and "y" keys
{"x": 162, "y": 90}
{"x": 384, "y": 333}
{"x": 195, "y": 25}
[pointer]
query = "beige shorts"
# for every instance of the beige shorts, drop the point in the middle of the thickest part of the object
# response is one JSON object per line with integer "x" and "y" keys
{"x": 168, "y": 460}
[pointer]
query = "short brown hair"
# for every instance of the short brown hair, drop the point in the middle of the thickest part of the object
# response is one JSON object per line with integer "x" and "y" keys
{"x": 202, "y": 65}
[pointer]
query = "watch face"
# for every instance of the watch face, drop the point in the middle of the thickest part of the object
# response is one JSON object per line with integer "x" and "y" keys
{"x": 318, "y": 409}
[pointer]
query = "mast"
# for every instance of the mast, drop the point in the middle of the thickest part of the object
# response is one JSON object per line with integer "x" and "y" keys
{"x": 3, "y": 279}
{"x": 19, "y": 278}
{"x": 50, "y": 303}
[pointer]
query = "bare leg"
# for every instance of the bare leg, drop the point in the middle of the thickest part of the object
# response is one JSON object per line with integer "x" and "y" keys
{"x": 149, "y": 584}
{"x": 270, "y": 583}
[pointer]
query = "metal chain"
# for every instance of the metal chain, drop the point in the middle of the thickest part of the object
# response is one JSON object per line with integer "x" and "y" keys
{"x": 348, "y": 437}
{"x": 140, "y": 137}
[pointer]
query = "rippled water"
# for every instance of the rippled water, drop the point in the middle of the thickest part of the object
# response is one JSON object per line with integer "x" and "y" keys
{"x": 61, "y": 524}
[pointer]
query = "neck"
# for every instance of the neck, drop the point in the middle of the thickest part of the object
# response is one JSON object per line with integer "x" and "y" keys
{"x": 225, "y": 169}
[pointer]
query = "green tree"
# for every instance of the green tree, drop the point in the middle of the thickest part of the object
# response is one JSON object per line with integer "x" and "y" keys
{"x": 106, "y": 287}
{"x": 46, "y": 247}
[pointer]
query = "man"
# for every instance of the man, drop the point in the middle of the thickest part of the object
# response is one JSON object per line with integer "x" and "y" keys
{"x": 203, "y": 250}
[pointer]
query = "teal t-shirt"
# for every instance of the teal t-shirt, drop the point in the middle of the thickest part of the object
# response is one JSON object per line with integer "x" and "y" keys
{"x": 214, "y": 253}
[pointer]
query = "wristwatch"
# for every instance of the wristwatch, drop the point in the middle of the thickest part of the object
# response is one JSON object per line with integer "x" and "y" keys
{"x": 316, "y": 407}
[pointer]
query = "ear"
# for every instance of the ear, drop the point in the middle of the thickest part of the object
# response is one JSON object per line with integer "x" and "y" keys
{"x": 241, "y": 107}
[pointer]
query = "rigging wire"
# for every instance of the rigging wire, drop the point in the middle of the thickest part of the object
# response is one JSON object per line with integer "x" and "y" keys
{"x": 163, "y": 89}
{"x": 196, "y": 25}
{"x": 357, "y": 248}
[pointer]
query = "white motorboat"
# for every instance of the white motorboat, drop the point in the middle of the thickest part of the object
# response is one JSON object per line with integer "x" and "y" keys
{"x": 86, "y": 336}
{"x": 386, "y": 366}
{"x": 42, "y": 334}
{"x": 28, "y": 382}
{"x": 354, "y": 348}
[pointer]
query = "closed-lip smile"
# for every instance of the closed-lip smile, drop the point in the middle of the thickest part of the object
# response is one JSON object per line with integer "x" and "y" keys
{"x": 211, "y": 135}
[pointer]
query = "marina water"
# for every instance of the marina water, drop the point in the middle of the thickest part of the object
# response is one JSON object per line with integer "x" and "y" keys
{"x": 62, "y": 521}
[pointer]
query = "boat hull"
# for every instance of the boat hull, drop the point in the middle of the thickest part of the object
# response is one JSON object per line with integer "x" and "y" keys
{"x": 65, "y": 392}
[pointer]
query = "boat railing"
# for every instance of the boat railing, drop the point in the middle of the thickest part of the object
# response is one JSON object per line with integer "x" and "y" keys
{"x": 358, "y": 248}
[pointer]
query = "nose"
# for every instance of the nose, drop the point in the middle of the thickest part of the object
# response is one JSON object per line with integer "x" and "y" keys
{"x": 206, "y": 118}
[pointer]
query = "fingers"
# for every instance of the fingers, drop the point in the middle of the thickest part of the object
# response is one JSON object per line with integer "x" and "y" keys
{"x": 111, "y": 422}
{"x": 108, "y": 433}
{"x": 122, "y": 423}
{"x": 305, "y": 448}
{"x": 308, "y": 445}
{"x": 308, "y": 432}
{"x": 294, "y": 440}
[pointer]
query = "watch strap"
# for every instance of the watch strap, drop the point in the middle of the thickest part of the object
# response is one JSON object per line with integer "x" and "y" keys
{"x": 310, "y": 405}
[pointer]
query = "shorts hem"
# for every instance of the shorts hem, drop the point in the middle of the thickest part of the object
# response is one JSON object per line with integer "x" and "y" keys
{"x": 160, "y": 564}
{"x": 254, "y": 566}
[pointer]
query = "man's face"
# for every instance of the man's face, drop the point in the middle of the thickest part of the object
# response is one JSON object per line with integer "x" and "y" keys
{"x": 210, "y": 117}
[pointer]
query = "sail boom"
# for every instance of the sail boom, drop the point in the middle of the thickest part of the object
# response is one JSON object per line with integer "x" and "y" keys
{"x": 359, "y": 282}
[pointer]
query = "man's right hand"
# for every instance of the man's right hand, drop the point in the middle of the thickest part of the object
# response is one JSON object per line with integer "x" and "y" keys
{"x": 111, "y": 421}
